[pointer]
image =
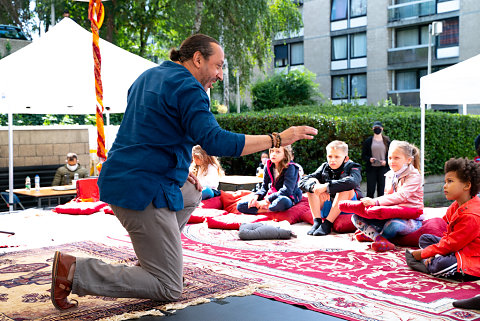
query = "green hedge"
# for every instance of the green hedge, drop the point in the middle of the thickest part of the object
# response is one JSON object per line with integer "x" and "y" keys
{"x": 447, "y": 135}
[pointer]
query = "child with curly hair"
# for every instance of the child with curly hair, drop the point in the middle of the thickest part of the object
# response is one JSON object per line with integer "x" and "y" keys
{"x": 457, "y": 253}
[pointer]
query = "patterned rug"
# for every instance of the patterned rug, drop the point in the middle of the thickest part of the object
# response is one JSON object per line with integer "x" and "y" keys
{"x": 25, "y": 278}
{"x": 334, "y": 275}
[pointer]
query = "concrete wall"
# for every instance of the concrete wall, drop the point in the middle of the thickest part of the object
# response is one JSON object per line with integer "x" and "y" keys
{"x": 44, "y": 145}
{"x": 378, "y": 39}
{"x": 316, "y": 42}
{"x": 468, "y": 24}
{"x": 14, "y": 43}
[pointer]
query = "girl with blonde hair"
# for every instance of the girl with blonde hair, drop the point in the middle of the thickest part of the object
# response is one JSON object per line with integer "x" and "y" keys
{"x": 208, "y": 171}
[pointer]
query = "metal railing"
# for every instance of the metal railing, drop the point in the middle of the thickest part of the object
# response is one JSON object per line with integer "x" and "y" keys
{"x": 411, "y": 9}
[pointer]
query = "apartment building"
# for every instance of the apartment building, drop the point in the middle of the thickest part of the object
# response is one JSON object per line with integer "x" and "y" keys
{"x": 372, "y": 50}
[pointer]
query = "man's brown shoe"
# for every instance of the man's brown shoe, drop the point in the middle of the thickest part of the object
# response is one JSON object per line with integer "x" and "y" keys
{"x": 61, "y": 287}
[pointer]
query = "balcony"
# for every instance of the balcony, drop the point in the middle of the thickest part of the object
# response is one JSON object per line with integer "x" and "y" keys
{"x": 408, "y": 55}
{"x": 411, "y": 10}
{"x": 405, "y": 97}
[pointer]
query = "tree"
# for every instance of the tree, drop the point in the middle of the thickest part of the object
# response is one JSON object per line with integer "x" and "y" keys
{"x": 16, "y": 13}
{"x": 245, "y": 29}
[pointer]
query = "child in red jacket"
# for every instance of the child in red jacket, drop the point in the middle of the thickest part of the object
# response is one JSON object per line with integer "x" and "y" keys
{"x": 457, "y": 253}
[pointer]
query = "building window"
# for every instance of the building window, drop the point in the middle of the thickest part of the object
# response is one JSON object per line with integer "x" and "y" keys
{"x": 358, "y": 45}
{"x": 281, "y": 55}
{"x": 449, "y": 36}
{"x": 290, "y": 54}
{"x": 339, "y": 48}
{"x": 358, "y": 8}
{"x": 349, "y": 86}
{"x": 411, "y": 36}
{"x": 358, "y": 85}
{"x": 343, "y": 9}
{"x": 409, "y": 79}
{"x": 339, "y": 10}
{"x": 296, "y": 50}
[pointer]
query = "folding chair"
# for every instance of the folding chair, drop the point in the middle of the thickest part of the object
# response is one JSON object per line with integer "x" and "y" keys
{"x": 16, "y": 200}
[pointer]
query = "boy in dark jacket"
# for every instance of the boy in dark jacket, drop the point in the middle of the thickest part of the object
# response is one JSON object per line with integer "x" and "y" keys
{"x": 336, "y": 180}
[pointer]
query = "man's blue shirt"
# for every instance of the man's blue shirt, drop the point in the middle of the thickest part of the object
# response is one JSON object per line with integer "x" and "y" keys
{"x": 167, "y": 114}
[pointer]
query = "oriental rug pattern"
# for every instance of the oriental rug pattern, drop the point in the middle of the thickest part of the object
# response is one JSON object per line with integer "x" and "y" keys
{"x": 25, "y": 278}
{"x": 324, "y": 275}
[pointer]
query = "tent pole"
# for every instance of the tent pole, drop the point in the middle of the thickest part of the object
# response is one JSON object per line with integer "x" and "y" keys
{"x": 422, "y": 141}
{"x": 464, "y": 109}
{"x": 10, "y": 157}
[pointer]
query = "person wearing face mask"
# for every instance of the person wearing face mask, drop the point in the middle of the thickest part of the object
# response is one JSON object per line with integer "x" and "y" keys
{"x": 66, "y": 173}
{"x": 375, "y": 153}
{"x": 399, "y": 211}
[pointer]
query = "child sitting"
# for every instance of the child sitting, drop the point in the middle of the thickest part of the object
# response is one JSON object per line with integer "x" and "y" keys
{"x": 208, "y": 171}
{"x": 403, "y": 194}
{"x": 279, "y": 190}
{"x": 335, "y": 180}
{"x": 457, "y": 253}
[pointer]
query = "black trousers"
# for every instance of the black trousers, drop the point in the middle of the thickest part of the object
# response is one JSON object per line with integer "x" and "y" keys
{"x": 376, "y": 178}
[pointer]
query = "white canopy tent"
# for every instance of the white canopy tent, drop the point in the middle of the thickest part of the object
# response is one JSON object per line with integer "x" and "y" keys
{"x": 55, "y": 75}
{"x": 455, "y": 85}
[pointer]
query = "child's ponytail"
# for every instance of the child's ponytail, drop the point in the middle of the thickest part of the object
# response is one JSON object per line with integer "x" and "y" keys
{"x": 415, "y": 157}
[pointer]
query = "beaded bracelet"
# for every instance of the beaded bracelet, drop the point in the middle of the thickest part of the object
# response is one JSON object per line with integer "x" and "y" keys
{"x": 278, "y": 139}
{"x": 271, "y": 137}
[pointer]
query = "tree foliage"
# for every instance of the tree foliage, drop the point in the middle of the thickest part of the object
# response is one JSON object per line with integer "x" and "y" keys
{"x": 150, "y": 28}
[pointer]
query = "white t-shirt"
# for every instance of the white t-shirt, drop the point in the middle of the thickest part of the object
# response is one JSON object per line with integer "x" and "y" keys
{"x": 211, "y": 178}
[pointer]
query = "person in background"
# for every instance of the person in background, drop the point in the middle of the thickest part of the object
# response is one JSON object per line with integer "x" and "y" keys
{"x": 208, "y": 171}
{"x": 375, "y": 155}
{"x": 261, "y": 165}
{"x": 66, "y": 173}
{"x": 335, "y": 180}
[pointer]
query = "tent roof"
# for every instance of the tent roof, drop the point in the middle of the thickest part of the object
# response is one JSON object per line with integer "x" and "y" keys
{"x": 56, "y": 71}
{"x": 458, "y": 84}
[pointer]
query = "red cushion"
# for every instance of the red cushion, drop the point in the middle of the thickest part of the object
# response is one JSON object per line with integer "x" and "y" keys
{"x": 230, "y": 199}
{"x": 108, "y": 210}
{"x": 80, "y": 208}
{"x": 379, "y": 212}
{"x": 87, "y": 188}
{"x": 233, "y": 221}
{"x": 436, "y": 226}
{"x": 388, "y": 212}
{"x": 214, "y": 202}
{"x": 199, "y": 215}
{"x": 300, "y": 212}
{"x": 343, "y": 224}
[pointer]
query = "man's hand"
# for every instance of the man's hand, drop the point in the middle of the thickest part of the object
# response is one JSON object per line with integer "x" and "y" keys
{"x": 367, "y": 201}
{"x": 372, "y": 160}
{"x": 194, "y": 180}
{"x": 383, "y": 163}
{"x": 294, "y": 133}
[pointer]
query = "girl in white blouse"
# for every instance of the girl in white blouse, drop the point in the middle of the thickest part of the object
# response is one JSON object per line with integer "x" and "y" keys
{"x": 208, "y": 171}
